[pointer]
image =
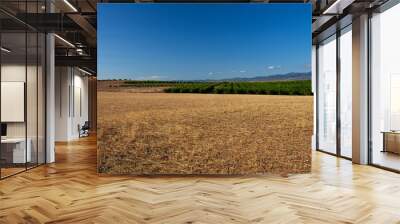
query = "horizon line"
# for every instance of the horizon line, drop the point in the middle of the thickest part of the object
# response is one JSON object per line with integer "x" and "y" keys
{"x": 207, "y": 79}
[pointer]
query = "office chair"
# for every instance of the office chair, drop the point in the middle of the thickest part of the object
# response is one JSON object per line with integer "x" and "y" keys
{"x": 84, "y": 130}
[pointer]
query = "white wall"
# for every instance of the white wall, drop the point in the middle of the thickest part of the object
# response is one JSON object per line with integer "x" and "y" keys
{"x": 14, "y": 72}
{"x": 33, "y": 126}
{"x": 70, "y": 84}
{"x": 62, "y": 82}
{"x": 80, "y": 110}
{"x": 17, "y": 73}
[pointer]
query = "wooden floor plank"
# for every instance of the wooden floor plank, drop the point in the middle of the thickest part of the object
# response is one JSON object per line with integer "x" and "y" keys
{"x": 70, "y": 191}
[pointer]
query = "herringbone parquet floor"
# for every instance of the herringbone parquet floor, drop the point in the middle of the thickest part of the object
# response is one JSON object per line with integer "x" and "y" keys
{"x": 70, "y": 191}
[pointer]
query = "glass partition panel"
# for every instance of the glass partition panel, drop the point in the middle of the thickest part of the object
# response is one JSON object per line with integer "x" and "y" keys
{"x": 22, "y": 88}
{"x": 385, "y": 89}
{"x": 41, "y": 98}
{"x": 346, "y": 92}
{"x": 14, "y": 153}
{"x": 327, "y": 95}
{"x": 31, "y": 98}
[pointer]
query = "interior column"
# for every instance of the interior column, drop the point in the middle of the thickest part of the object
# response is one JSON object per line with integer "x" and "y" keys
{"x": 360, "y": 90}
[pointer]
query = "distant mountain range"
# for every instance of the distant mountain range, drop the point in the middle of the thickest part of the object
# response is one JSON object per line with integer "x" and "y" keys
{"x": 292, "y": 76}
{"x": 281, "y": 77}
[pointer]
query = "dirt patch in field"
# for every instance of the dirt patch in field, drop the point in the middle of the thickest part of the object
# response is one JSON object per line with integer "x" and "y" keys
{"x": 161, "y": 133}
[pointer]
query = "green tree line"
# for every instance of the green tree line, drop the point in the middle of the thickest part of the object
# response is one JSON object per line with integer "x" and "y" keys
{"x": 268, "y": 88}
{"x": 300, "y": 87}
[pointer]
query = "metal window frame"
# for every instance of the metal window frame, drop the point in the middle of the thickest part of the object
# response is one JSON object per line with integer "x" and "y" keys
{"x": 387, "y": 5}
{"x": 338, "y": 33}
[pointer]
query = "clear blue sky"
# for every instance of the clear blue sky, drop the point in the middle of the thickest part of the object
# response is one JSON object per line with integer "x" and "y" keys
{"x": 202, "y": 41}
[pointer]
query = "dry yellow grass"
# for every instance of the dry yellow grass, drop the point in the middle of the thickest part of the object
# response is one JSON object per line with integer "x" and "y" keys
{"x": 161, "y": 133}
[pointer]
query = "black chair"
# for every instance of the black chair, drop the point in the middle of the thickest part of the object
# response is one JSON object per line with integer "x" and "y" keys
{"x": 84, "y": 130}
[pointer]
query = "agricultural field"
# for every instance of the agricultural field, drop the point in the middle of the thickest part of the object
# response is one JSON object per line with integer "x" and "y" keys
{"x": 187, "y": 133}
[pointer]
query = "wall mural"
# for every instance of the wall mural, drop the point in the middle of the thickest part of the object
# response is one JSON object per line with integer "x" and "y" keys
{"x": 204, "y": 88}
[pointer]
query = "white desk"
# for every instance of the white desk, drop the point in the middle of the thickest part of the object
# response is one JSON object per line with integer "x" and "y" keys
{"x": 18, "y": 144}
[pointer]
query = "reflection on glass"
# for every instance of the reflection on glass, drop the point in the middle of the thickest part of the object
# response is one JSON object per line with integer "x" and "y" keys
{"x": 41, "y": 98}
{"x": 31, "y": 101}
{"x": 15, "y": 151}
{"x": 22, "y": 91}
{"x": 385, "y": 93}
{"x": 327, "y": 95}
{"x": 394, "y": 102}
{"x": 346, "y": 92}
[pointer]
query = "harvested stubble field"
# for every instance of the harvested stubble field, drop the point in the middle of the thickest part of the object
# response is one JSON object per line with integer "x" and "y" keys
{"x": 173, "y": 133}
